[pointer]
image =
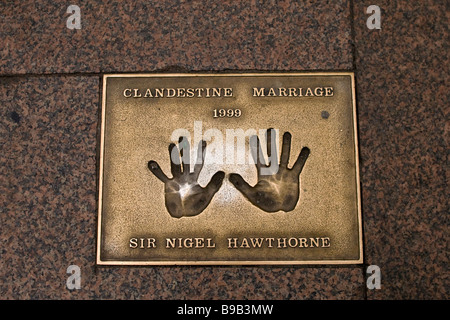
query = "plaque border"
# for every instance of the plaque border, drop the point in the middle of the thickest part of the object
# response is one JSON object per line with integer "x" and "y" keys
{"x": 227, "y": 262}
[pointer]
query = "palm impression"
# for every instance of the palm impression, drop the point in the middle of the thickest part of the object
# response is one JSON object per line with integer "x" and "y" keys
{"x": 278, "y": 187}
{"x": 183, "y": 195}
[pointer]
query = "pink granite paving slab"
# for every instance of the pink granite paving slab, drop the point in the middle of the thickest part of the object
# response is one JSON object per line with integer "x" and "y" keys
{"x": 200, "y": 35}
{"x": 403, "y": 110}
{"x": 48, "y": 213}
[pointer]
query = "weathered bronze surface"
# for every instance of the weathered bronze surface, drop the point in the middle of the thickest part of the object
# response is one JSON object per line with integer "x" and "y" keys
{"x": 229, "y": 169}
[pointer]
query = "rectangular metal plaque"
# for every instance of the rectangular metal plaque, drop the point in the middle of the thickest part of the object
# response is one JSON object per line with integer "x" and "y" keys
{"x": 229, "y": 169}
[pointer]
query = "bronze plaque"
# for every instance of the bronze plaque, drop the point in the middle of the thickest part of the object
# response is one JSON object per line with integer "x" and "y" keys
{"x": 217, "y": 169}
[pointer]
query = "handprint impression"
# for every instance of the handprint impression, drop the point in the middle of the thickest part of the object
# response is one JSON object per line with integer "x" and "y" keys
{"x": 278, "y": 189}
{"x": 183, "y": 195}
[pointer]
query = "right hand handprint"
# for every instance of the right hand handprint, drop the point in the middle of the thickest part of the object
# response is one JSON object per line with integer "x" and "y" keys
{"x": 277, "y": 189}
{"x": 183, "y": 195}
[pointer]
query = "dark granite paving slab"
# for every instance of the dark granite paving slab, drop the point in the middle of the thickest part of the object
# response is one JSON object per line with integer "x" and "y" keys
{"x": 201, "y": 35}
{"x": 48, "y": 213}
{"x": 403, "y": 109}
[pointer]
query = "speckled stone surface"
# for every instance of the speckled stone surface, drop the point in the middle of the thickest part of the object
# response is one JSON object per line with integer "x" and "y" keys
{"x": 50, "y": 102}
{"x": 201, "y": 35}
{"x": 403, "y": 109}
{"x": 48, "y": 129}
